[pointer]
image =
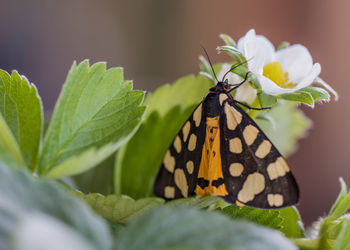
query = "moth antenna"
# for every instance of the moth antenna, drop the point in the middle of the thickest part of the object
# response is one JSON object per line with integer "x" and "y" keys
{"x": 236, "y": 66}
{"x": 210, "y": 63}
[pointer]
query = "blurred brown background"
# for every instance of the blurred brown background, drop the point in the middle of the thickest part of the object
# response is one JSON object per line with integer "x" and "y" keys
{"x": 157, "y": 41}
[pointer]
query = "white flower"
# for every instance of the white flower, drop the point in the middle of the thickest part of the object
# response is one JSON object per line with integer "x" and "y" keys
{"x": 278, "y": 72}
{"x": 245, "y": 93}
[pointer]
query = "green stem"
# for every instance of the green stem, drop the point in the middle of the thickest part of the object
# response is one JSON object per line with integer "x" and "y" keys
{"x": 306, "y": 244}
{"x": 341, "y": 209}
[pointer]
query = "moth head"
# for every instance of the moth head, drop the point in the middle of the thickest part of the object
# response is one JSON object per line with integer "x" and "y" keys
{"x": 221, "y": 87}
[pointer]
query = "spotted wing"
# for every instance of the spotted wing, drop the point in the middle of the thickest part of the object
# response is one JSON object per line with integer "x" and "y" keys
{"x": 177, "y": 176}
{"x": 255, "y": 173}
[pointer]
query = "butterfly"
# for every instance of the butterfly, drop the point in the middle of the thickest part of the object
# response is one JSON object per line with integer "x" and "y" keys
{"x": 221, "y": 151}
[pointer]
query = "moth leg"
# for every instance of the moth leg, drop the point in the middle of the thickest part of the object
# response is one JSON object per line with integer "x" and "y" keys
{"x": 247, "y": 106}
{"x": 239, "y": 84}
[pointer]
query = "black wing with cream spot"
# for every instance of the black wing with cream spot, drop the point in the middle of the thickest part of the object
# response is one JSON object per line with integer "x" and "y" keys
{"x": 177, "y": 176}
{"x": 255, "y": 173}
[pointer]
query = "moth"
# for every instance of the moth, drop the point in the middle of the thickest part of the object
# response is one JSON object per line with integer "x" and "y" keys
{"x": 221, "y": 151}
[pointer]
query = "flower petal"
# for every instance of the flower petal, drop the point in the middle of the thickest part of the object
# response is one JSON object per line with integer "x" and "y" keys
{"x": 231, "y": 77}
{"x": 240, "y": 43}
{"x": 270, "y": 87}
{"x": 310, "y": 77}
{"x": 257, "y": 49}
{"x": 253, "y": 53}
{"x": 249, "y": 44}
{"x": 246, "y": 93}
{"x": 268, "y": 48}
{"x": 296, "y": 60}
{"x": 256, "y": 62}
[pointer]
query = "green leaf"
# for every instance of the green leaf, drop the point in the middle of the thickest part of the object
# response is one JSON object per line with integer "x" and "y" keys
{"x": 98, "y": 179}
{"x": 317, "y": 93}
{"x": 41, "y": 232}
{"x": 343, "y": 240}
{"x": 138, "y": 162}
{"x": 196, "y": 202}
{"x": 21, "y": 108}
{"x": 120, "y": 208}
{"x": 267, "y": 118}
{"x": 291, "y": 125}
{"x": 85, "y": 161}
{"x": 342, "y": 194}
{"x": 205, "y": 69}
{"x": 292, "y": 225}
{"x": 187, "y": 227}
{"x": 185, "y": 92}
{"x": 266, "y": 100}
{"x": 9, "y": 149}
{"x": 287, "y": 220}
{"x": 268, "y": 218}
{"x": 325, "y": 244}
{"x": 233, "y": 52}
{"x": 168, "y": 108}
{"x": 254, "y": 81}
{"x": 329, "y": 231}
{"x": 209, "y": 76}
{"x": 336, "y": 225}
{"x": 283, "y": 45}
{"x": 228, "y": 40}
{"x": 322, "y": 83}
{"x": 96, "y": 113}
{"x": 342, "y": 207}
{"x": 299, "y": 96}
{"x": 34, "y": 210}
{"x": 242, "y": 70}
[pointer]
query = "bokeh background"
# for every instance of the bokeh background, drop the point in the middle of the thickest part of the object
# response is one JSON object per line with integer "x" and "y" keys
{"x": 157, "y": 41}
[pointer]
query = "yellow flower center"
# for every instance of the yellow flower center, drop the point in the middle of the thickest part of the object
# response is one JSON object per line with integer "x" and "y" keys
{"x": 274, "y": 72}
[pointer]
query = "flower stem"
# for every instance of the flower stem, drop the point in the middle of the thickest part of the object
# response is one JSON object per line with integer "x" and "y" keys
{"x": 306, "y": 244}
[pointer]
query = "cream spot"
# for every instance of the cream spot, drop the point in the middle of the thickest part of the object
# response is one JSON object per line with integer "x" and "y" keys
{"x": 253, "y": 185}
{"x": 275, "y": 200}
{"x": 169, "y": 162}
{"x": 169, "y": 192}
{"x": 277, "y": 169}
{"x": 236, "y": 169}
{"x": 233, "y": 117}
{"x": 278, "y": 200}
{"x": 263, "y": 149}
{"x": 271, "y": 171}
{"x": 250, "y": 133}
{"x": 192, "y": 142}
{"x": 236, "y": 145}
{"x": 281, "y": 161}
{"x": 177, "y": 144}
{"x": 197, "y": 115}
{"x": 186, "y": 130}
{"x": 190, "y": 167}
{"x": 222, "y": 98}
{"x": 181, "y": 182}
